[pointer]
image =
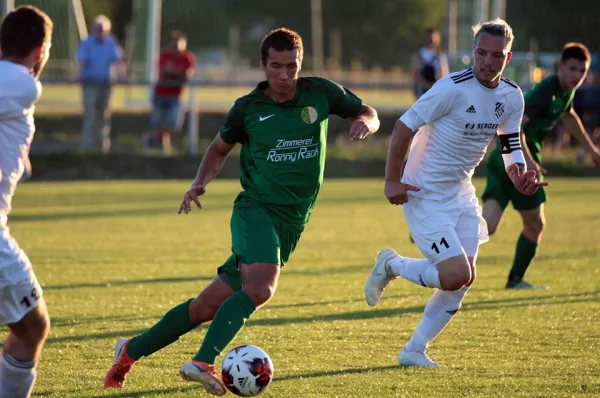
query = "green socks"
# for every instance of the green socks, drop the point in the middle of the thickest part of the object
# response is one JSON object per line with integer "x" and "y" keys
{"x": 174, "y": 324}
{"x": 524, "y": 253}
{"x": 228, "y": 321}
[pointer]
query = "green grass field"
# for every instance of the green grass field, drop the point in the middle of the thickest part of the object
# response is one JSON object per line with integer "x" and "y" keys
{"x": 114, "y": 256}
{"x": 66, "y": 98}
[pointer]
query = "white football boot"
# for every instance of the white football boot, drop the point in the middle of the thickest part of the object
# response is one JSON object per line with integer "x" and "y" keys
{"x": 380, "y": 276}
{"x": 204, "y": 374}
{"x": 416, "y": 358}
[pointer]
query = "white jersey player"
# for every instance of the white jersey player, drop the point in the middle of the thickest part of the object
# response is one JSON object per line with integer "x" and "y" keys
{"x": 454, "y": 123}
{"x": 25, "y": 44}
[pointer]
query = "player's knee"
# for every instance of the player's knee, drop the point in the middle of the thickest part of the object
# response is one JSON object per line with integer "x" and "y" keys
{"x": 455, "y": 284}
{"x": 36, "y": 328}
{"x": 201, "y": 311}
{"x": 535, "y": 226}
{"x": 456, "y": 279}
{"x": 44, "y": 330}
{"x": 259, "y": 281}
{"x": 454, "y": 273}
{"x": 260, "y": 294}
{"x": 42, "y": 325}
{"x": 491, "y": 227}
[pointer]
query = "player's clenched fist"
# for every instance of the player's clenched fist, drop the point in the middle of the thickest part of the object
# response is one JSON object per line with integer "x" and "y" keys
{"x": 397, "y": 192}
{"x": 359, "y": 130}
{"x": 191, "y": 196}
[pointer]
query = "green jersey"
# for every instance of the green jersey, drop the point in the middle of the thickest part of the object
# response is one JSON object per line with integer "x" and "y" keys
{"x": 284, "y": 144}
{"x": 545, "y": 105}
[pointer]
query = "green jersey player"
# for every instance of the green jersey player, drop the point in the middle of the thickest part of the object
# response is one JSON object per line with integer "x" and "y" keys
{"x": 546, "y": 104}
{"x": 282, "y": 129}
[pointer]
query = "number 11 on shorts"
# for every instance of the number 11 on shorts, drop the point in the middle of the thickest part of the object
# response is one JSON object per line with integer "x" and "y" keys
{"x": 443, "y": 242}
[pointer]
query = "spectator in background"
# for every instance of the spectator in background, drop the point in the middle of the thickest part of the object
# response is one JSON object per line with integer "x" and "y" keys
{"x": 97, "y": 56}
{"x": 176, "y": 66}
{"x": 429, "y": 63}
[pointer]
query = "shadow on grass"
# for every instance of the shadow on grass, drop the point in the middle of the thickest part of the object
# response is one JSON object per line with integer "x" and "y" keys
{"x": 131, "y": 394}
{"x": 129, "y": 282}
{"x": 512, "y": 302}
{"x": 291, "y": 271}
{"x": 117, "y": 393}
{"x": 145, "y": 211}
{"x": 336, "y": 373}
{"x": 75, "y": 321}
{"x": 156, "y": 210}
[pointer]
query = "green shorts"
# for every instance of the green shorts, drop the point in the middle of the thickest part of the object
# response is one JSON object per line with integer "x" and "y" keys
{"x": 257, "y": 237}
{"x": 500, "y": 188}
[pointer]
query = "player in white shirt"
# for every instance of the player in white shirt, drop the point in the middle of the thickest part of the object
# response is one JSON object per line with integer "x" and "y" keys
{"x": 25, "y": 40}
{"x": 456, "y": 120}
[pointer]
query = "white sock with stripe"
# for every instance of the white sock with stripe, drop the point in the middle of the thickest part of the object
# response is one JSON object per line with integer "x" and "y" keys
{"x": 417, "y": 270}
{"x": 439, "y": 311}
{"x": 16, "y": 377}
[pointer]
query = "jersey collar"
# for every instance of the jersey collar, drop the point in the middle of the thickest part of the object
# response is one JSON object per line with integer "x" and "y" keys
{"x": 262, "y": 86}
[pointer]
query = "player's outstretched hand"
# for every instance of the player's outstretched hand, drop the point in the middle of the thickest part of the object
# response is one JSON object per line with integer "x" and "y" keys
{"x": 526, "y": 182}
{"x": 191, "y": 196}
{"x": 397, "y": 192}
{"x": 359, "y": 129}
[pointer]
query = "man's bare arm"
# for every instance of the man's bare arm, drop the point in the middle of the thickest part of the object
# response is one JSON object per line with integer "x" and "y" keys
{"x": 369, "y": 123}
{"x": 212, "y": 161}
{"x": 573, "y": 124}
{"x": 401, "y": 138}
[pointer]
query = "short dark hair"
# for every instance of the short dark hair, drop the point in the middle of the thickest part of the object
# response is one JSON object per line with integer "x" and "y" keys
{"x": 430, "y": 31}
{"x": 23, "y": 30}
{"x": 281, "y": 39}
{"x": 576, "y": 51}
{"x": 178, "y": 35}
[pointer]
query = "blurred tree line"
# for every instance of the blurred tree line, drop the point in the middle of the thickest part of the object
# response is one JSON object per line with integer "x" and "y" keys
{"x": 552, "y": 23}
{"x": 381, "y": 33}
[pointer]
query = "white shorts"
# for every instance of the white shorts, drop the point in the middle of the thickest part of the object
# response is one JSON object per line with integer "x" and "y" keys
{"x": 446, "y": 229}
{"x": 20, "y": 290}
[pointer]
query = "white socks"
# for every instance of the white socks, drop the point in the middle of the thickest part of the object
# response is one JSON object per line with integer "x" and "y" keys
{"x": 420, "y": 271}
{"x": 440, "y": 309}
{"x": 16, "y": 377}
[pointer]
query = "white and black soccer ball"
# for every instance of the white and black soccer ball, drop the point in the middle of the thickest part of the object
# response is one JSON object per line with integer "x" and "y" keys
{"x": 247, "y": 371}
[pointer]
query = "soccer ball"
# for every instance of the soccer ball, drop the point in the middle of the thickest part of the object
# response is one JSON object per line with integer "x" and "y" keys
{"x": 247, "y": 371}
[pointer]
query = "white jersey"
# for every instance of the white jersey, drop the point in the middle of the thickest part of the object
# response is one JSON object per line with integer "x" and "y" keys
{"x": 19, "y": 91}
{"x": 456, "y": 121}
